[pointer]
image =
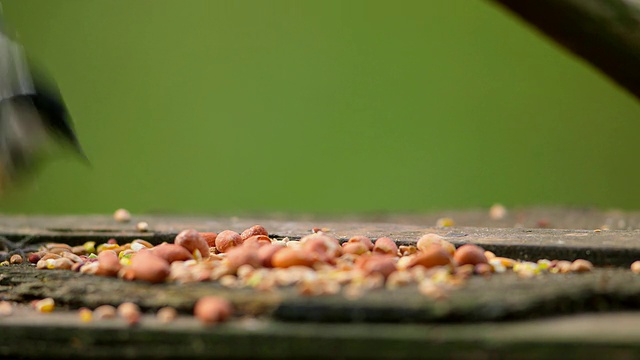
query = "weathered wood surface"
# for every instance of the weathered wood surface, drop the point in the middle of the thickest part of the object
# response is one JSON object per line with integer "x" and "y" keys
{"x": 63, "y": 336}
{"x": 606, "y": 33}
{"x": 573, "y": 235}
{"x": 381, "y": 323}
{"x": 500, "y": 297}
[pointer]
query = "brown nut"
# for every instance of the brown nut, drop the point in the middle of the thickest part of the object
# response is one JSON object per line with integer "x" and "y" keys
{"x": 240, "y": 256}
{"x": 227, "y": 239}
{"x": 435, "y": 255}
{"x": 253, "y": 231}
{"x": 212, "y": 309}
{"x": 172, "y": 252}
{"x": 266, "y": 253}
{"x": 257, "y": 241}
{"x": 16, "y": 259}
{"x": 166, "y": 314}
{"x": 149, "y": 267}
{"x": 434, "y": 239}
{"x": 288, "y": 257}
{"x": 122, "y": 215}
{"x": 377, "y": 264}
{"x": 210, "y": 238}
{"x": 354, "y": 247}
{"x": 192, "y": 241}
{"x": 635, "y": 267}
{"x": 385, "y": 245}
{"x": 130, "y": 312}
{"x": 104, "y": 312}
{"x": 48, "y": 256}
{"x": 62, "y": 263}
{"x": 470, "y": 254}
{"x": 34, "y": 258}
{"x": 581, "y": 265}
{"x": 108, "y": 263}
{"x": 323, "y": 247}
{"x": 362, "y": 239}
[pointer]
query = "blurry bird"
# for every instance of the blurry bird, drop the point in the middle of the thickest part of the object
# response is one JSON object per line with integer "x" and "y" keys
{"x": 32, "y": 113}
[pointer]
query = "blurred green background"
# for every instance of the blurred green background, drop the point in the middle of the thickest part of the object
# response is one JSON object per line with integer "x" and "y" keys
{"x": 208, "y": 106}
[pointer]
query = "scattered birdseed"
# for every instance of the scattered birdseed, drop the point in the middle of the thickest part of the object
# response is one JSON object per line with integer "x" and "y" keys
{"x": 122, "y": 215}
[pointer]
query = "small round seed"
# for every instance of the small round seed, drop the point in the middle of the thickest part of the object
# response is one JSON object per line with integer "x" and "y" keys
{"x": 104, "y": 312}
{"x": 122, "y": 215}
{"x": 15, "y": 259}
{"x": 581, "y": 265}
{"x": 635, "y": 267}
{"x": 166, "y": 314}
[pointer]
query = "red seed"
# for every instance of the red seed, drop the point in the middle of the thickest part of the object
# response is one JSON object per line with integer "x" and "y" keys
{"x": 385, "y": 245}
{"x": 227, "y": 239}
{"x": 470, "y": 254}
{"x": 212, "y": 309}
{"x": 192, "y": 241}
{"x": 254, "y": 230}
{"x": 209, "y": 237}
{"x": 435, "y": 255}
{"x": 149, "y": 267}
{"x": 172, "y": 252}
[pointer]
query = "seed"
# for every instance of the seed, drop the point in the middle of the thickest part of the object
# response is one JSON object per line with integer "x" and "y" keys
{"x": 445, "y": 222}
{"x": 385, "y": 245}
{"x": 256, "y": 241}
{"x": 435, "y": 255}
{"x": 581, "y": 265}
{"x": 149, "y": 267}
{"x": 489, "y": 255}
{"x": 239, "y": 256}
{"x": 470, "y": 254}
{"x": 212, "y": 309}
{"x": 104, "y": 312}
{"x": 397, "y": 279}
{"x": 254, "y": 230}
{"x": 48, "y": 256}
{"x": 325, "y": 246}
{"x": 289, "y": 257}
{"x": 428, "y": 240}
{"x": 362, "y": 239}
{"x": 483, "y": 269}
{"x": 34, "y": 258}
{"x": 378, "y": 264}
{"x": 357, "y": 248}
{"x": 497, "y": 212}
{"x": 210, "y": 238}
{"x": 166, "y": 314}
{"x": 16, "y": 259}
{"x": 71, "y": 256}
{"x": 635, "y": 267}
{"x": 192, "y": 241}
{"x": 85, "y": 314}
{"x": 227, "y": 239}
{"x": 172, "y": 252}
{"x": 130, "y": 312}
{"x": 122, "y": 215}
{"x": 142, "y": 226}
{"x": 62, "y": 264}
{"x": 6, "y": 308}
{"x": 79, "y": 250}
{"x": 406, "y": 250}
{"x": 109, "y": 264}
{"x": 45, "y": 305}
{"x": 266, "y": 253}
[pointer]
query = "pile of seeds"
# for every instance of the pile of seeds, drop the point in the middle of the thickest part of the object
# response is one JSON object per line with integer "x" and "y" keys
{"x": 317, "y": 264}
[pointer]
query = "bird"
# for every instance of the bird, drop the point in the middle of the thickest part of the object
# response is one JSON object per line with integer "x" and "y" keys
{"x": 33, "y": 114}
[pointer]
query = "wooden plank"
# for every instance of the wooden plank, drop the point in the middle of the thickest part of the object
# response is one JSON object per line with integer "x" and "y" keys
{"x": 610, "y": 247}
